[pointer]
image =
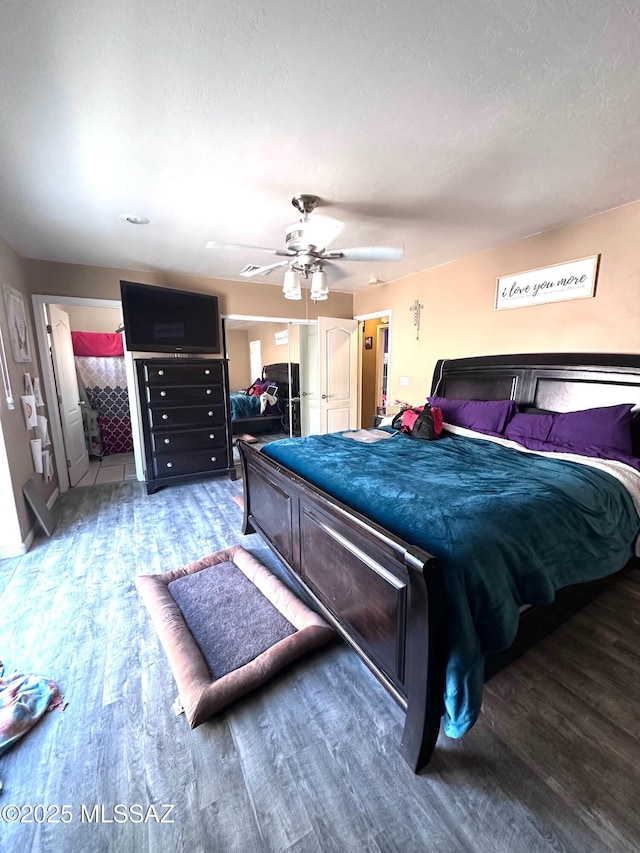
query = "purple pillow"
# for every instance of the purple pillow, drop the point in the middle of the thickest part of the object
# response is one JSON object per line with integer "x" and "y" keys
{"x": 604, "y": 433}
{"x": 523, "y": 426}
{"x": 488, "y": 416}
{"x": 607, "y": 427}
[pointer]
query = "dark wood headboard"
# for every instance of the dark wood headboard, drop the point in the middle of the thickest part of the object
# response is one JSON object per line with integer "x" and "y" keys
{"x": 279, "y": 373}
{"x": 558, "y": 382}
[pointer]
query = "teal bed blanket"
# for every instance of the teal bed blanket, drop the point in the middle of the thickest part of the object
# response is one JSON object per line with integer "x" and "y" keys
{"x": 244, "y": 406}
{"x": 508, "y": 528}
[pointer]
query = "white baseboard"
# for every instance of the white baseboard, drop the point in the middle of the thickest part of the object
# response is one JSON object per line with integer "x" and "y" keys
{"x": 19, "y": 550}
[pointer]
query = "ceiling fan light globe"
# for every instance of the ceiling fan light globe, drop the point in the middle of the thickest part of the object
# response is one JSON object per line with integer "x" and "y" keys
{"x": 291, "y": 288}
{"x": 319, "y": 286}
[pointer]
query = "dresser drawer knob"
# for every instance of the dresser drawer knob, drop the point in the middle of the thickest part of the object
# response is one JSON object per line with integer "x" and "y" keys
{"x": 207, "y": 372}
{"x": 161, "y": 373}
{"x": 212, "y": 435}
{"x": 213, "y": 458}
{"x": 165, "y": 417}
{"x": 209, "y": 391}
{"x": 163, "y": 393}
{"x": 210, "y": 414}
{"x": 167, "y": 441}
{"x": 169, "y": 464}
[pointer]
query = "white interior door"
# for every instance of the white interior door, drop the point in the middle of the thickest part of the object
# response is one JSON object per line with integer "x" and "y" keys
{"x": 255, "y": 360}
{"x": 68, "y": 395}
{"x": 338, "y": 374}
{"x": 309, "y": 382}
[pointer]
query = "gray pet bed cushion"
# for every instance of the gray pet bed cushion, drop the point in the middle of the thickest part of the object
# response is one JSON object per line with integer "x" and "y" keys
{"x": 227, "y": 625}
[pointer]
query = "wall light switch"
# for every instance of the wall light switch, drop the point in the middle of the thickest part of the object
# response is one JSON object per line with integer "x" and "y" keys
{"x": 404, "y": 381}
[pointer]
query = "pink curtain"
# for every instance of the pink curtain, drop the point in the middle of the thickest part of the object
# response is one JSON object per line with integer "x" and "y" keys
{"x": 103, "y": 344}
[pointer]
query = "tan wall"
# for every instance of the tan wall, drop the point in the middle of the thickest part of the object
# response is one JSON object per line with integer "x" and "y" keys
{"x": 16, "y": 435}
{"x": 85, "y": 319}
{"x": 263, "y": 331}
{"x": 459, "y": 317}
{"x": 273, "y": 353}
{"x": 238, "y": 353}
{"x": 257, "y": 300}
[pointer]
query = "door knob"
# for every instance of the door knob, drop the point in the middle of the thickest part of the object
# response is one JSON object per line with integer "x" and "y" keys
{"x": 325, "y": 396}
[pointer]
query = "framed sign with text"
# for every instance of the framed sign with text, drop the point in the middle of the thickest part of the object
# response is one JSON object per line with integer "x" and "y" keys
{"x": 17, "y": 322}
{"x": 571, "y": 280}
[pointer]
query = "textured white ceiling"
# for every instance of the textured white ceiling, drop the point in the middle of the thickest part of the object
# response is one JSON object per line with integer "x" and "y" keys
{"x": 449, "y": 127}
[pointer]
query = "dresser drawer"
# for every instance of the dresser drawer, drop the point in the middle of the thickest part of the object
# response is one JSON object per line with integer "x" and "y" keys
{"x": 184, "y": 374}
{"x": 168, "y": 416}
{"x": 188, "y": 439}
{"x": 187, "y": 394}
{"x": 166, "y": 465}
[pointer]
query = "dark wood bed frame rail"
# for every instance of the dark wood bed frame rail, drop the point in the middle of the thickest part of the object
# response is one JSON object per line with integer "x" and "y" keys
{"x": 385, "y": 596}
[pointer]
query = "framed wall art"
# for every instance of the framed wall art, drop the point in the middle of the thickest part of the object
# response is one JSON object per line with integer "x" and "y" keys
{"x": 571, "y": 280}
{"x": 17, "y": 322}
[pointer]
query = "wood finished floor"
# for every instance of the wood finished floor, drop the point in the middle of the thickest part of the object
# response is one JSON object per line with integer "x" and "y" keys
{"x": 310, "y": 763}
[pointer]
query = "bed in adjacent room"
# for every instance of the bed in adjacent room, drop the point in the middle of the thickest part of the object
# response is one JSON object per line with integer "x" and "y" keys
{"x": 265, "y": 407}
{"x": 256, "y": 410}
{"x": 459, "y": 549}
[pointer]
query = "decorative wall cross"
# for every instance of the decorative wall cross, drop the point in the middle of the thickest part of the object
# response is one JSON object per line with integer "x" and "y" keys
{"x": 416, "y": 308}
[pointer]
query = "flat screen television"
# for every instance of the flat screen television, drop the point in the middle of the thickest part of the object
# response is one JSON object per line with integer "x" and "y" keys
{"x": 160, "y": 319}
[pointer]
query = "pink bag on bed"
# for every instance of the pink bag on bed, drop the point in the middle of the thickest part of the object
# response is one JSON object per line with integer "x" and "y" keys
{"x": 258, "y": 388}
{"x": 420, "y": 422}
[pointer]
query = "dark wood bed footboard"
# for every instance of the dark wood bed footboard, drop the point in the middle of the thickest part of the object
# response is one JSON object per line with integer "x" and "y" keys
{"x": 259, "y": 424}
{"x": 385, "y": 597}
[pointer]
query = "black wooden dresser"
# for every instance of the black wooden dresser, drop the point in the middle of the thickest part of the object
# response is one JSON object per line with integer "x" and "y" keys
{"x": 185, "y": 414}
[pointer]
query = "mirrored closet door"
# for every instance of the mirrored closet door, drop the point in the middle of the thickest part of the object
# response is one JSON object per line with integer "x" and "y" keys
{"x": 272, "y": 376}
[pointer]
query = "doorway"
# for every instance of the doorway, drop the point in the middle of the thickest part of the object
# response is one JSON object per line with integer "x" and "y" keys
{"x": 255, "y": 358}
{"x": 50, "y": 381}
{"x": 375, "y": 349}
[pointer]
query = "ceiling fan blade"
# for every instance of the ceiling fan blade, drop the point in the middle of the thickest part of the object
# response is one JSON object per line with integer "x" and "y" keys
{"x": 367, "y": 253}
{"x": 213, "y": 244}
{"x": 251, "y": 269}
{"x": 335, "y": 272}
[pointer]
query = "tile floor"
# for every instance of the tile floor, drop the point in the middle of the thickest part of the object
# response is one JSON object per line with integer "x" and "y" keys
{"x": 111, "y": 469}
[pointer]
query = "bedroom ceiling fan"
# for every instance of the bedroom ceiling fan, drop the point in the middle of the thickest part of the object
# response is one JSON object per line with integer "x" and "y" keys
{"x": 306, "y": 251}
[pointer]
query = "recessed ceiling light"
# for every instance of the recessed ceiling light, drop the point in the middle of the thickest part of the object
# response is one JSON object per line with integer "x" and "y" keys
{"x": 134, "y": 219}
